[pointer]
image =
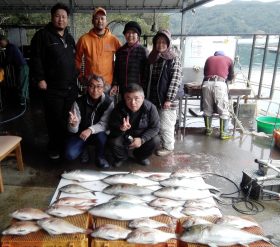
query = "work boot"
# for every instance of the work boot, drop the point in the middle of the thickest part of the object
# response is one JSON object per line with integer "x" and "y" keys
{"x": 224, "y": 131}
{"x": 208, "y": 123}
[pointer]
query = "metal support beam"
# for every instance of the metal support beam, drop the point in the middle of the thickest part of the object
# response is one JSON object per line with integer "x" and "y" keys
{"x": 195, "y": 4}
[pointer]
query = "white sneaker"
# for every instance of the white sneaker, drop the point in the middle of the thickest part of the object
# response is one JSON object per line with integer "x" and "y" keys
{"x": 163, "y": 152}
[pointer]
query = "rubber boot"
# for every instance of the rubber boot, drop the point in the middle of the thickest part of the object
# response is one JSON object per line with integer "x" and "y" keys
{"x": 224, "y": 131}
{"x": 208, "y": 123}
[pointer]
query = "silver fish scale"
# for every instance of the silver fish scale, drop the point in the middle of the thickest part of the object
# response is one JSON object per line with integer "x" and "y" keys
{"x": 129, "y": 179}
{"x": 131, "y": 189}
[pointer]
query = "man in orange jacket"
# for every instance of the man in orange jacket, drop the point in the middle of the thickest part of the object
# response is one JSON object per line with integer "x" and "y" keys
{"x": 97, "y": 48}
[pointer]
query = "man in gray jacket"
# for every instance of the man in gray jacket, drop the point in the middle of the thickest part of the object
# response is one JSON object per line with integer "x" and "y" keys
{"x": 88, "y": 120}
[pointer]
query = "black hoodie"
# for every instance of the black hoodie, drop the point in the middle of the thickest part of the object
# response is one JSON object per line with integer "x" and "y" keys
{"x": 53, "y": 58}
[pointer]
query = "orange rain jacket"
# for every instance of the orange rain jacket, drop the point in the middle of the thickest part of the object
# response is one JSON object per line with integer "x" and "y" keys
{"x": 98, "y": 54}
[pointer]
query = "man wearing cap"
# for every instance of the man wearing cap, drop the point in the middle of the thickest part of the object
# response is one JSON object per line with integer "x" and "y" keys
{"x": 97, "y": 48}
{"x": 131, "y": 59}
{"x": 218, "y": 69}
{"x": 14, "y": 57}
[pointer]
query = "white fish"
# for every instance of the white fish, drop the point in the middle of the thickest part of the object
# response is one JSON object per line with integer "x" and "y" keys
{"x": 128, "y": 198}
{"x": 110, "y": 232}
{"x": 64, "y": 211}
{"x": 84, "y": 203}
{"x": 141, "y": 173}
{"x": 21, "y": 228}
{"x": 211, "y": 212}
{"x": 84, "y": 175}
{"x": 175, "y": 212}
{"x": 219, "y": 235}
{"x": 146, "y": 222}
{"x": 202, "y": 203}
{"x": 192, "y": 183}
{"x": 130, "y": 189}
{"x": 165, "y": 203}
{"x": 29, "y": 214}
{"x": 158, "y": 177}
{"x": 235, "y": 221}
{"x": 129, "y": 179}
{"x": 147, "y": 235}
{"x": 192, "y": 221}
{"x": 75, "y": 189}
{"x": 55, "y": 226}
{"x": 124, "y": 211}
{"x": 181, "y": 193}
{"x": 186, "y": 174}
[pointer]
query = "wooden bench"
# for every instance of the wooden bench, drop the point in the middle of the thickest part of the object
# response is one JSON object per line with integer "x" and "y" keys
{"x": 10, "y": 146}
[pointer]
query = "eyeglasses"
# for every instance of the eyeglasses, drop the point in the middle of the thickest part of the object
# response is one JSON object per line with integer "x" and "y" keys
{"x": 129, "y": 100}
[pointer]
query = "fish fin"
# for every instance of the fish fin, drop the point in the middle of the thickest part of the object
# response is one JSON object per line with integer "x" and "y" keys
{"x": 93, "y": 192}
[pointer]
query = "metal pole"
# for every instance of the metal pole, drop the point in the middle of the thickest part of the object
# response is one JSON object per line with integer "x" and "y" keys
{"x": 252, "y": 57}
{"x": 275, "y": 69}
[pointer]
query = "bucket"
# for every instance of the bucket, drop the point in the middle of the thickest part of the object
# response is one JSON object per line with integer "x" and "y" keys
{"x": 267, "y": 124}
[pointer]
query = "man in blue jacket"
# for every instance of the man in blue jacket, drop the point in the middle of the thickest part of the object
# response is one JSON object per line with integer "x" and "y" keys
{"x": 14, "y": 57}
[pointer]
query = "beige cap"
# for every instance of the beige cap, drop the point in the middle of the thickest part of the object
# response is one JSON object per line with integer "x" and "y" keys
{"x": 99, "y": 9}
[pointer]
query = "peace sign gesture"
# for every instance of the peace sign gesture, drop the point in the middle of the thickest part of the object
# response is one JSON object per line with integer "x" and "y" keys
{"x": 126, "y": 125}
{"x": 73, "y": 119}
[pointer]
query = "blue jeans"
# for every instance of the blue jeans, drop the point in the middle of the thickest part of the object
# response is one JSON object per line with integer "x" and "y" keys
{"x": 75, "y": 145}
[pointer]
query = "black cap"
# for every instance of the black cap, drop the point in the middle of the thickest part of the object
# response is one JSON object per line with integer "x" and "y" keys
{"x": 132, "y": 25}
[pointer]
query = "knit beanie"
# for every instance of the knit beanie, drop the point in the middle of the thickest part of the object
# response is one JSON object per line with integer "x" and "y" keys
{"x": 132, "y": 25}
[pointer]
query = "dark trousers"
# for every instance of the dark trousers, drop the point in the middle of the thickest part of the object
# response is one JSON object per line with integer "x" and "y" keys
{"x": 57, "y": 105}
{"x": 75, "y": 145}
{"x": 120, "y": 150}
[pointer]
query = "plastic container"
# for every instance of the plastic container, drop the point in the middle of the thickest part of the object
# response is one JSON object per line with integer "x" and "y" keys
{"x": 43, "y": 239}
{"x": 267, "y": 124}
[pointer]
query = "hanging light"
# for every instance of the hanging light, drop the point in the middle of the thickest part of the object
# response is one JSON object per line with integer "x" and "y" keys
{"x": 154, "y": 26}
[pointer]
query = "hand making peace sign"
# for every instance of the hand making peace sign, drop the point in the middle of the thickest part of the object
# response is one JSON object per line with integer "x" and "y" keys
{"x": 126, "y": 125}
{"x": 73, "y": 119}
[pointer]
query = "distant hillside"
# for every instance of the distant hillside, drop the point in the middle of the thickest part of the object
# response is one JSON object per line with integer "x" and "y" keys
{"x": 237, "y": 17}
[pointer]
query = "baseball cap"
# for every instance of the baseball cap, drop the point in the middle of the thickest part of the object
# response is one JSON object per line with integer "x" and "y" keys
{"x": 99, "y": 9}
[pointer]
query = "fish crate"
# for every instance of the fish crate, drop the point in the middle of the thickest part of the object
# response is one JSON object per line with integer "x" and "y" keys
{"x": 43, "y": 239}
{"x": 98, "y": 242}
{"x": 255, "y": 230}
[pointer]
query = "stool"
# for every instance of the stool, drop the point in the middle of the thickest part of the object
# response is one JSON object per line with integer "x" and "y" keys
{"x": 10, "y": 146}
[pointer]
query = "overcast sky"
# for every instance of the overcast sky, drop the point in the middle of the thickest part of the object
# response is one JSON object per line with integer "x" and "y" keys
{"x": 216, "y": 2}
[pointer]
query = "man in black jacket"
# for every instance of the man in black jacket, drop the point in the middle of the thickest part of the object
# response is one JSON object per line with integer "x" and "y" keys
{"x": 134, "y": 124}
{"x": 53, "y": 69}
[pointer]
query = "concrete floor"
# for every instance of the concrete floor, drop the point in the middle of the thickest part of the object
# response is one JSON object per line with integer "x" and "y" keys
{"x": 35, "y": 186}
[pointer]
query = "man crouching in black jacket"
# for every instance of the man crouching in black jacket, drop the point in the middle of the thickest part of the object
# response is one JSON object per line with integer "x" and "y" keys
{"x": 134, "y": 124}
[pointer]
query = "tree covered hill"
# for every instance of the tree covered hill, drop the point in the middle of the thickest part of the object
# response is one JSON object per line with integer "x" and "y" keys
{"x": 237, "y": 17}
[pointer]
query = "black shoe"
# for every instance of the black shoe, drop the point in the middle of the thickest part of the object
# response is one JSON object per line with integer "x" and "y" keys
{"x": 53, "y": 155}
{"x": 84, "y": 157}
{"x": 145, "y": 162}
{"x": 117, "y": 163}
{"x": 102, "y": 163}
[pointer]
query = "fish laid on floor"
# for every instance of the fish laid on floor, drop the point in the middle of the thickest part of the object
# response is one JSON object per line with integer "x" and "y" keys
{"x": 192, "y": 221}
{"x": 175, "y": 212}
{"x": 64, "y": 211}
{"x": 29, "y": 214}
{"x": 130, "y": 189}
{"x": 147, "y": 235}
{"x": 201, "y": 204}
{"x": 83, "y": 203}
{"x": 182, "y": 193}
{"x": 192, "y": 183}
{"x": 146, "y": 222}
{"x": 186, "y": 174}
{"x": 219, "y": 235}
{"x": 129, "y": 178}
{"x": 55, "y": 226}
{"x": 128, "y": 198}
{"x": 22, "y": 228}
{"x": 235, "y": 221}
{"x": 75, "y": 189}
{"x": 165, "y": 203}
{"x": 84, "y": 175}
{"x": 110, "y": 232}
{"x": 124, "y": 211}
{"x": 158, "y": 177}
{"x": 211, "y": 212}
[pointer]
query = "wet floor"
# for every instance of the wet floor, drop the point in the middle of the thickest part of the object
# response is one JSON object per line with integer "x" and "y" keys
{"x": 34, "y": 187}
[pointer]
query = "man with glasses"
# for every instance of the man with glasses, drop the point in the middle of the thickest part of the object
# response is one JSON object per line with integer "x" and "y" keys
{"x": 134, "y": 125}
{"x": 88, "y": 120}
{"x": 97, "y": 49}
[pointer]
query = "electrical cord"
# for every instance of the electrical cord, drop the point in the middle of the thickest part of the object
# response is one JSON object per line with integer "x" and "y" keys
{"x": 15, "y": 117}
